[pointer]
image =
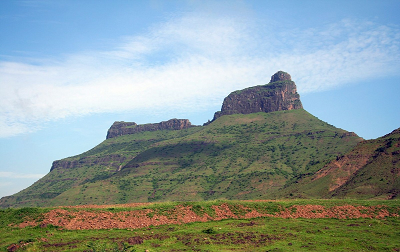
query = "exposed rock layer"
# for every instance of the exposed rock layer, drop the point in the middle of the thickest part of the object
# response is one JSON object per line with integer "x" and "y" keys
{"x": 106, "y": 160}
{"x": 126, "y": 128}
{"x": 279, "y": 94}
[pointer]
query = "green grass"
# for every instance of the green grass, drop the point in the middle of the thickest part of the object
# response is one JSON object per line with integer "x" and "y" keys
{"x": 259, "y": 234}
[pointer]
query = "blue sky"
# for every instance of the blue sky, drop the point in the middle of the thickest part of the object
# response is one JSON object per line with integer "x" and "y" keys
{"x": 69, "y": 69}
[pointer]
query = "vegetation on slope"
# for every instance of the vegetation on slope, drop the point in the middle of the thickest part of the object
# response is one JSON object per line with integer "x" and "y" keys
{"x": 379, "y": 176}
{"x": 370, "y": 170}
{"x": 251, "y": 156}
{"x": 96, "y": 164}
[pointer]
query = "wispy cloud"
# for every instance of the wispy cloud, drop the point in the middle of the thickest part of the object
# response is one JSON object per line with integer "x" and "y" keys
{"x": 190, "y": 62}
{"x": 13, "y": 175}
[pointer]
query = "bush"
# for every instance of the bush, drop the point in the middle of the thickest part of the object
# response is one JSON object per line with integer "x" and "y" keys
{"x": 209, "y": 231}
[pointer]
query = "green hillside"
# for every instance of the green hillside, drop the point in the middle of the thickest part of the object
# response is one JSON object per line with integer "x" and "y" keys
{"x": 371, "y": 170}
{"x": 98, "y": 163}
{"x": 252, "y": 156}
{"x": 380, "y": 175}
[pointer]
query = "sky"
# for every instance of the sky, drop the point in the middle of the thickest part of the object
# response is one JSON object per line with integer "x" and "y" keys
{"x": 70, "y": 68}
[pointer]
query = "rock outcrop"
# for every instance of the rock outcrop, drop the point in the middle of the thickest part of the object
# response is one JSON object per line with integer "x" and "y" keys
{"x": 113, "y": 160}
{"x": 279, "y": 94}
{"x": 126, "y": 128}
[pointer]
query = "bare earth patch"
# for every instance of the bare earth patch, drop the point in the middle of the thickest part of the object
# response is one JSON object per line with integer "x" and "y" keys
{"x": 79, "y": 218}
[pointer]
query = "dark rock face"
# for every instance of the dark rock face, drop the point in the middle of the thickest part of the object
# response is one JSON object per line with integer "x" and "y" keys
{"x": 126, "y": 128}
{"x": 280, "y": 76}
{"x": 108, "y": 160}
{"x": 279, "y": 94}
{"x": 119, "y": 129}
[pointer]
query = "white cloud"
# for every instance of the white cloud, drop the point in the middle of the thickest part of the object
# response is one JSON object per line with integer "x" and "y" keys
{"x": 189, "y": 62}
{"x": 13, "y": 175}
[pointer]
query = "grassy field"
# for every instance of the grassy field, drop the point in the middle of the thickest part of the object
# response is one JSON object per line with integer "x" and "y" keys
{"x": 231, "y": 234}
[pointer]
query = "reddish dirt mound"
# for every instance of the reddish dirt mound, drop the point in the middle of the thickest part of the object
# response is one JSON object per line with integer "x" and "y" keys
{"x": 76, "y": 218}
{"x": 109, "y": 206}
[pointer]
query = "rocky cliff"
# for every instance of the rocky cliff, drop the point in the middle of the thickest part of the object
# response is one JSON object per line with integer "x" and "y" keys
{"x": 279, "y": 94}
{"x": 111, "y": 161}
{"x": 126, "y": 128}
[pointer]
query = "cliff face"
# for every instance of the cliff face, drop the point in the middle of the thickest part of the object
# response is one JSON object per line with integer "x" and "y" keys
{"x": 110, "y": 161}
{"x": 126, "y": 128}
{"x": 279, "y": 94}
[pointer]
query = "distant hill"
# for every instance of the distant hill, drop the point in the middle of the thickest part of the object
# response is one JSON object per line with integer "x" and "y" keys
{"x": 281, "y": 151}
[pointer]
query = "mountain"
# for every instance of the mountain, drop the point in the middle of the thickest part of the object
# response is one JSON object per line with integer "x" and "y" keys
{"x": 261, "y": 145}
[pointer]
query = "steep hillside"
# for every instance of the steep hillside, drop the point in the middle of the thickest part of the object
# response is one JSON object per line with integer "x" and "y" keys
{"x": 98, "y": 163}
{"x": 370, "y": 170}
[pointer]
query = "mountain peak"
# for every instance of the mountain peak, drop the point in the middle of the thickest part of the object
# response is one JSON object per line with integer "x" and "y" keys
{"x": 280, "y": 76}
{"x": 279, "y": 94}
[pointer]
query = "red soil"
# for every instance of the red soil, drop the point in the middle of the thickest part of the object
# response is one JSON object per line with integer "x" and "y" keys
{"x": 78, "y": 218}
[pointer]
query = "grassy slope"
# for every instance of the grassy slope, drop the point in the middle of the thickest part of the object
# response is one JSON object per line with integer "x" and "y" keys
{"x": 236, "y": 157}
{"x": 370, "y": 170}
{"x": 381, "y": 175}
{"x": 59, "y": 180}
{"x": 262, "y": 234}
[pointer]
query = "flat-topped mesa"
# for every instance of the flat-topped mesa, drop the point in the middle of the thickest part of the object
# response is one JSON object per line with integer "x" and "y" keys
{"x": 127, "y": 128}
{"x": 279, "y": 94}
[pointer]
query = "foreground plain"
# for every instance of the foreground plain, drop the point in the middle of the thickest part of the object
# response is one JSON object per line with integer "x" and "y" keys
{"x": 294, "y": 225}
